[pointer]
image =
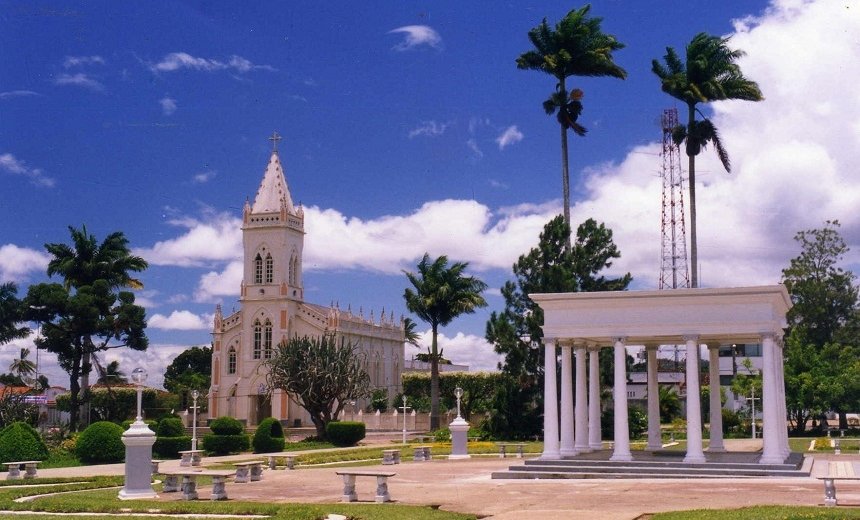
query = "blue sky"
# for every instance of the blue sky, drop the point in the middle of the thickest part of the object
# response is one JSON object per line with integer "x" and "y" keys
{"x": 406, "y": 128}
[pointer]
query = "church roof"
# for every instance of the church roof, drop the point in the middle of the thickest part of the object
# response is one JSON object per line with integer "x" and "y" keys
{"x": 273, "y": 189}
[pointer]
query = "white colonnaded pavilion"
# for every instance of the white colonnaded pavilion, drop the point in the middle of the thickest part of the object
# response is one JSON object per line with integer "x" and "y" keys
{"x": 581, "y": 324}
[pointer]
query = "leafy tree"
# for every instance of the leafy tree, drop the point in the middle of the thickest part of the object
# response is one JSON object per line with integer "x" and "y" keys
{"x": 15, "y": 408}
{"x": 822, "y": 347}
{"x": 23, "y": 367}
{"x": 320, "y": 375}
{"x": 441, "y": 293}
{"x": 88, "y": 312}
{"x": 670, "y": 404}
{"x": 478, "y": 389}
{"x": 576, "y": 47}
{"x": 11, "y": 380}
{"x": 190, "y": 370}
{"x": 516, "y": 331}
{"x": 11, "y": 314}
{"x": 710, "y": 73}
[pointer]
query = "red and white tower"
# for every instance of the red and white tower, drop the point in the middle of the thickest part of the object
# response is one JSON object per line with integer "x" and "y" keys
{"x": 674, "y": 273}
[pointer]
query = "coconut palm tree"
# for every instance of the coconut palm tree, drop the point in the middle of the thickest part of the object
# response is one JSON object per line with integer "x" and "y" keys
{"x": 576, "y": 47}
{"x": 441, "y": 293}
{"x": 710, "y": 73}
{"x": 23, "y": 367}
{"x": 111, "y": 374}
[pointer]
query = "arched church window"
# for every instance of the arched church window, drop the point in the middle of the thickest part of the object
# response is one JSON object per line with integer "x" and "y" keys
{"x": 267, "y": 340}
{"x": 258, "y": 339}
{"x": 292, "y": 277}
{"x": 258, "y": 269}
{"x": 231, "y": 360}
{"x": 270, "y": 268}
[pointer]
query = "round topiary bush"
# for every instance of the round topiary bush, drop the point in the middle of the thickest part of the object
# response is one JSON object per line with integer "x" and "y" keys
{"x": 101, "y": 442}
{"x": 169, "y": 447}
{"x": 344, "y": 433}
{"x": 19, "y": 441}
{"x": 170, "y": 427}
{"x": 269, "y": 436}
{"x": 226, "y": 426}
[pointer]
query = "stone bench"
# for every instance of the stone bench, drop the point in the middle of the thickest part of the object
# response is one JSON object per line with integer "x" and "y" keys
{"x": 155, "y": 464}
{"x": 14, "y": 469}
{"x": 503, "y": 449}
{"x": 191, "y": 458}
{"x": 836, "y": 471}
{"x": 248, "y": 471}
{"x": 189, "y": 482}
{"x": 422, "y": 453}
{"x": 390, "y": 457}
{"x": 273, "y": 461}
{"x": 349, "y": 494}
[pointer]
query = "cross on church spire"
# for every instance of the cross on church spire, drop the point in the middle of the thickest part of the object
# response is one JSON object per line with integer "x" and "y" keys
{"x": 275, "y": 138}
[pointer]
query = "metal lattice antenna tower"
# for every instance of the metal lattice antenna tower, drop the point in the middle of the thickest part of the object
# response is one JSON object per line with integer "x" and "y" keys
{"x": 674, "y": 273}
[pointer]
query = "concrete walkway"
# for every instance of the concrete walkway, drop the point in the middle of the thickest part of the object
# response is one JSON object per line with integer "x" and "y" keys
{"x": 465, "y": 486}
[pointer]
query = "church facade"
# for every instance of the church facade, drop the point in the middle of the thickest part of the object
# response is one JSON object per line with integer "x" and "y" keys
{"x": 272, "y": 309}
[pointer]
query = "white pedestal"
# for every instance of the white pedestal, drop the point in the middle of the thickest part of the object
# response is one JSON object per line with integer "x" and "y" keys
{"x": 459, "y": 432}
{"x": 138, "y": 442}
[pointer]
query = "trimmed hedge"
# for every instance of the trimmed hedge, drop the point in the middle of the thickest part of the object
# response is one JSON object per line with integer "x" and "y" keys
{"x": 226, "y": 426}
{"x": 269, "y": 437}
{"x": 101, "y": 442}
{"x": 344, "y": 433}
{"x": 170, "y": 427}
{"x": 19, "y": 441}
{"x": 169, "y": 447}
{"x": 225, "y": 444}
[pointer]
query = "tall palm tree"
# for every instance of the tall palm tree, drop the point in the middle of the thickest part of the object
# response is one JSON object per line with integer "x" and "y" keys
{"x": 709, "y": 74}
{"x": 441, "y": 293}
{"x": 111, "y": 374}
{"x": 23, "y": 367}
{"x": 410, "y": 334}
{"x": 86, "y": 261}
{"x": 576, "y": 47}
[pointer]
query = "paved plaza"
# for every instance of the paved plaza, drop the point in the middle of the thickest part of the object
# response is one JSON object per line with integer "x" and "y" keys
{"x": 465, "y": 486}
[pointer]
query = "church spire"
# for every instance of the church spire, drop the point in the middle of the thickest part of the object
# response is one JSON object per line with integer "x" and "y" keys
{"x": 273, "y": 193}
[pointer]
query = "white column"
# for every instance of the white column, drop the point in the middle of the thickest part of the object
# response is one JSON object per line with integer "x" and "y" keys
{"x": 654, "y": 440}
{"x": 619, "y": 394}
{"x": 550, "y": 405}
{"x": 771, "y": 450}
{"x": 694, "y": 405}
{"x": 582, "y": 445}
{"x": 567, "y": 440}
{"x": 594, "y": 434}
{"x": 715, "y": 404}
{"x": 780, "y": 367}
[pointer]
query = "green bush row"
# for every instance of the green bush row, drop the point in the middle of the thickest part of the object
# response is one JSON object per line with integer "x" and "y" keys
{"x": 345, "y": 433}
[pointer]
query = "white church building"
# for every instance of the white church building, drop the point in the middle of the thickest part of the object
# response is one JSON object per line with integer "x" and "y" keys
{"x": 272, "y": 309}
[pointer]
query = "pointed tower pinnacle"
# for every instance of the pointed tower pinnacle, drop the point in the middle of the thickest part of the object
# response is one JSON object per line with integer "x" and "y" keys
{"x": 273, "y": 193}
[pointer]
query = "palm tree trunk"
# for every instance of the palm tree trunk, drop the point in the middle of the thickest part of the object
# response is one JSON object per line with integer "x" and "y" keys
{"x": 694, "y": 250}
{"x": 565, "y": 171}
{"x": 434, "y": 381}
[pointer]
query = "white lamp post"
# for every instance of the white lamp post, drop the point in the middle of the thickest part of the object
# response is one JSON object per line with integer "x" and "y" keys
{"x": 194, "y": 395}
{"x": 404, "y": 419}
{"x": 138, "y": 440}
{"x": 459, "y": 431}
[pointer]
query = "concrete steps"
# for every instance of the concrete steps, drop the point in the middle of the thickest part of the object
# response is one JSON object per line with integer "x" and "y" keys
{"x": 650, "y": 466}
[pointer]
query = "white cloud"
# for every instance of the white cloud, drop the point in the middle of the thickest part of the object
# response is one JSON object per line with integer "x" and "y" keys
{"x": 429, "y": 129}
{"x": 78, "y": 61}
{"x": 215, "y": 285}
{"x": 79, "y": 80}
{"x": 18, "y": 93}
{"x": 510, "y": 136}
{"x": 462, "y": 349}
{"x": 182, "y": 60}
{"x": 17, "y": 263}
{"x": 217, "y": 237}
{"x": 180, "y": 320}
{"x": 473, "y": 145}
{"x": 168, "y": 105}
{"x": 415, "y": 36}
{"x": 203, "y": 177}
{"x": 10, "y": 164}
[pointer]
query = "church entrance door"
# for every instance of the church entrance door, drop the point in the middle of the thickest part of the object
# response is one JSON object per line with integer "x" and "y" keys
{"x": 263, "y": 408}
